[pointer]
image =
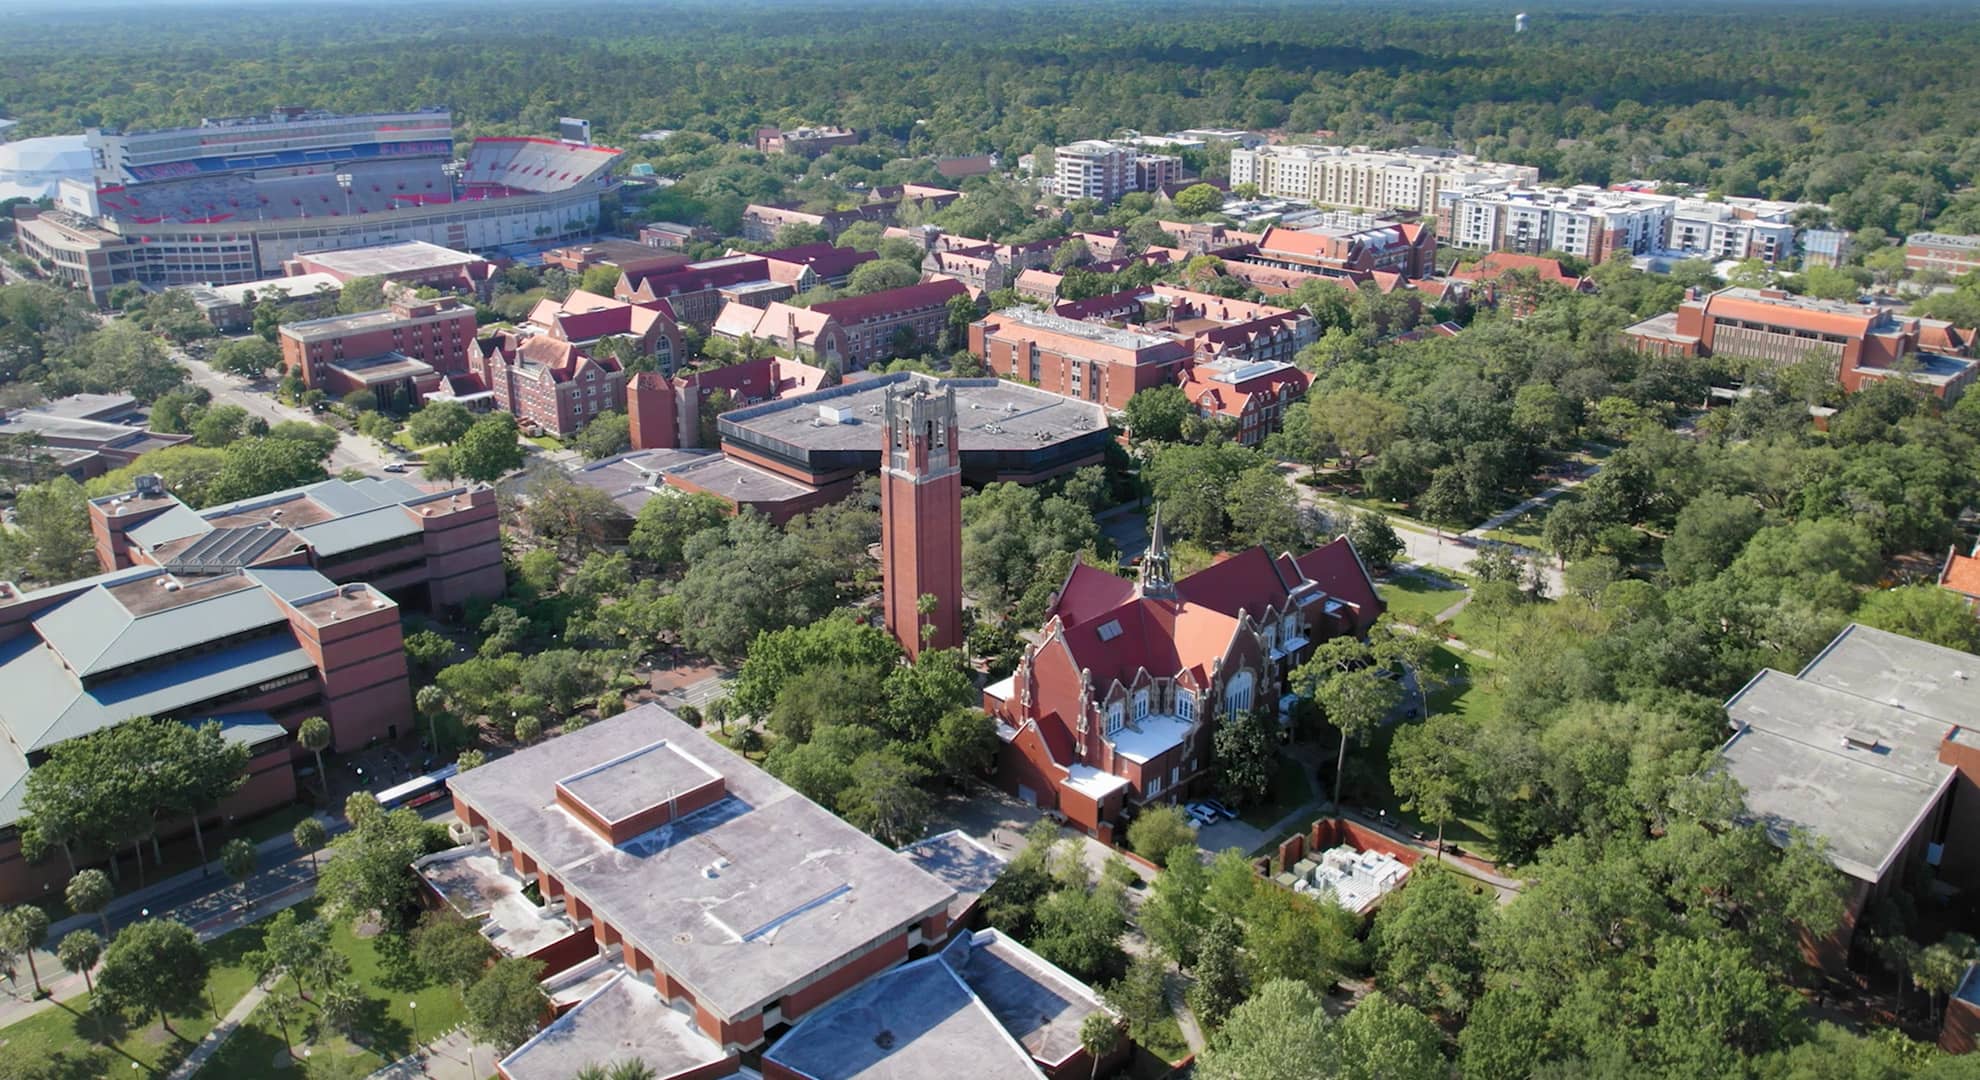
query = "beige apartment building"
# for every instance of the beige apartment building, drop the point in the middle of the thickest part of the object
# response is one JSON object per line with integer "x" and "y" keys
{"x": 1364, "y": 179}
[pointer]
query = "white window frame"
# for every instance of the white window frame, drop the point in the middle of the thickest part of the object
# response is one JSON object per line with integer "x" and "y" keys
{"x": 1115, "y": 719}
{"x": 1235, "y": 702}
{"x": 1141, "y": 704}
{"x": 1185, "y": 704}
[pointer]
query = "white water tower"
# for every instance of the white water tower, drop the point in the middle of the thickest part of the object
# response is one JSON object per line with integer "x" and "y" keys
{"x": 1519, "y": 23}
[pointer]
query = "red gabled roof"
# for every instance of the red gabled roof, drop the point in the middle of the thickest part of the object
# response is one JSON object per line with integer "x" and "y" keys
{"x": 892, "y": 301}
{"x": 824, "y": 259}
{"x": 1338, "y": 571}
{"x": 1088, "y": 592}
{"x": 1492, "y": 266}
{"x": 1961, "y": 574}
{"x": 1246, "y": 581}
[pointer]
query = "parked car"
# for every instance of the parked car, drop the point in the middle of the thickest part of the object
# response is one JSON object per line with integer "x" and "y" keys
{"x": 1200, "y": 813}
{"x": 1223, "y": 811}
{"x": 395, "y": 466}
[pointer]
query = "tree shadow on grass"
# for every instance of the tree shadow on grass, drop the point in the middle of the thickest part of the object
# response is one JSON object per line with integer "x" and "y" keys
{"x": 89, "y": 1063}
{"x": 382, "y": 1033}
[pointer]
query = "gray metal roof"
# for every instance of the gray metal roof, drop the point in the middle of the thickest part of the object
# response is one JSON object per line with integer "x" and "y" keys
{"x": 96, "y": 633}
{"x": 176, "y": 523}
{"x": 292, "y": 583}
{"x": 46, "y": 704}
{"x": 360, "y": 529}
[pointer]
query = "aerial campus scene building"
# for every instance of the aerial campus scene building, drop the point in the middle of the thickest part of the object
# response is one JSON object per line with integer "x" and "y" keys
{"x": 1140, "y": 542}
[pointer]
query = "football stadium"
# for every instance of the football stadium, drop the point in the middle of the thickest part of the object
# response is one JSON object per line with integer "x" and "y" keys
{"x": 229, "y": 200}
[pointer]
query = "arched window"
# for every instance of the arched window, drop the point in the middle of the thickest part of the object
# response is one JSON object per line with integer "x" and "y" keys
{"x": 1140, "y": 704}
{"x": 1237, "y": 693}
{"x": 1114, "y": 718}
{"x": 1185, "y": 704}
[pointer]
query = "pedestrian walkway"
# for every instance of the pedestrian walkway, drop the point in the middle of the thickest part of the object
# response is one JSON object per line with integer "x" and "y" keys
{"x": 235, "y": 1017}
{"x": 456, "y": 1056}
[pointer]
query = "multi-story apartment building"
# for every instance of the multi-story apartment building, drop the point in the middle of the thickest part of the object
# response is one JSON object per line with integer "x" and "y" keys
{"x": 337, "y": 354}
{"x": 1584, "y": 221}
{"x": 1941, "y": 253}
{"x": 1863, "y": 341}
{"x": 1360, "y": 178}
{"x": 1731, "y": 229}
{"x": 1093, "y": 169}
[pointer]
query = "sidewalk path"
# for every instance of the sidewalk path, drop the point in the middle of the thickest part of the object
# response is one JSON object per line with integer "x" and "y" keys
{"x": 456, "y": 1056}
{"x": 1535, "y": 502}
{"x": 235, "y": 1017}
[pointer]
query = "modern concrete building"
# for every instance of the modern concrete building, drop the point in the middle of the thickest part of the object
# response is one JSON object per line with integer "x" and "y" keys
{"x": 1871, "y": 748}
{"x": 1359, "y": 178}
{"x": 1093, "y": 169}
{"x": 1116, "y": 705}
{"x": 1863, "y": 341}
{"x": 1586, "y": 221}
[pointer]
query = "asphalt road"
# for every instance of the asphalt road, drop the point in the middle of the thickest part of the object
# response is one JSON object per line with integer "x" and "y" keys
{"x": 352, "y": 452}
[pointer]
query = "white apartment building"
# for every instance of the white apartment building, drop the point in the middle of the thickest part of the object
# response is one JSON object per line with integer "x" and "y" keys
{"x": 1093, "y": 169}
{"x": 1105, "y": 171}
{"x": 1584, "y": 221}
{"x": 1362, "y": 179}
{"x": 1734, "y": 228}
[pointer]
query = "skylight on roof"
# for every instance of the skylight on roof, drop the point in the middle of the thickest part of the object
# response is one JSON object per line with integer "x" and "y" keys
{"x": 1110, "y": 630}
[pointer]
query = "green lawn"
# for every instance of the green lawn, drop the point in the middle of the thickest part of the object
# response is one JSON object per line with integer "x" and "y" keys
{"x": 547, "y": 442}
{"x": 1167, "y": 1041}
{"x": 388, "y": 982}
{"x": 1472, "y": 693}
{"x": 1419, "y": 596}
{"x": 1291, "y": 789}
{"x": 70, "y": 1038}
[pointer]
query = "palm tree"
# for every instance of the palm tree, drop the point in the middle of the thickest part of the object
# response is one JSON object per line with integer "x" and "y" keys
{"x": 924, "y": 606}
{"x": 314, "y": 735}
{"x": 79, "y": 951}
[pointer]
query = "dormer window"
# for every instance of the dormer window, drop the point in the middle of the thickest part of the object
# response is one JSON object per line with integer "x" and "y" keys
{"x": 1115, "y": 720}
{"x": 1185, "y": 704}
{"x": 1140, "y": 704}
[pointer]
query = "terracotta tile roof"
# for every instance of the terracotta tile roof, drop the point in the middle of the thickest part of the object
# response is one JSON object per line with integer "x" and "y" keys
{"x": 1493, "y": 265}
{"x": 1248, "y": 580}
{"x": 824, "y": 259}
{"x": 890, "y": 302}
{"x": 1962, "y": 574}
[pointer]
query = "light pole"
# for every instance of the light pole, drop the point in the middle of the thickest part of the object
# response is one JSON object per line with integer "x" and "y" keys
{"x": 344, "y": 181}
{"x": 412, "y": 1010}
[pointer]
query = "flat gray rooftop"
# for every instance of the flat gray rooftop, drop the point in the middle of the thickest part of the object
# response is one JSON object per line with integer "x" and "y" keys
{"x": 745, "y": 901}
{"x": 474, "y": 883}
{"x": 633, "y": 479}
{"x": 959, "y": 862}
{"x": 627, "y": 1020}
{"x": 1041, "y": 1006}
{"x": 740, "y": 481}
{"x": 387, "y": 259}
{"x": 624, "y": 786}
{"x": 107, "y": 407}
{"x": 1090, "y": 331}
{"x": 1849, "y": 749}
{"x": 994, "y": 414}
{"x": 919, "y": 1020}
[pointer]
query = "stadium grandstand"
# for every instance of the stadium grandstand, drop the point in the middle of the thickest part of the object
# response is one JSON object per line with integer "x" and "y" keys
{"x": 229, "y": 200}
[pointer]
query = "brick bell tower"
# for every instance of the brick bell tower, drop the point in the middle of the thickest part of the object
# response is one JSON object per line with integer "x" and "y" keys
{"x": 921, "y": 518}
